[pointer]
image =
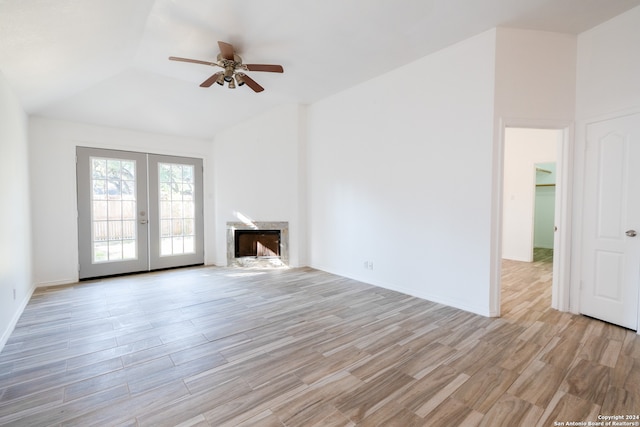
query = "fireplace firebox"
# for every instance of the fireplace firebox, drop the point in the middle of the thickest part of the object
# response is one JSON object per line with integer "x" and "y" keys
{"x": 257, "y": 243}
{"x": 246, "y": 255}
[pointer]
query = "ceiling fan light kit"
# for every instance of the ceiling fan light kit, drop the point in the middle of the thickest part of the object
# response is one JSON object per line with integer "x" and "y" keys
{"x": 228, "y": 73}
{"x": 233, "y": 67}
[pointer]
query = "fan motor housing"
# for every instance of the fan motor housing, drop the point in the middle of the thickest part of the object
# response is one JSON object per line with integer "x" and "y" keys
{"x": 226, "y": 62}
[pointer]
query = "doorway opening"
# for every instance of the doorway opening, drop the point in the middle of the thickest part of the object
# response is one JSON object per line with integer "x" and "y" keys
{"x": 532, "y": 201}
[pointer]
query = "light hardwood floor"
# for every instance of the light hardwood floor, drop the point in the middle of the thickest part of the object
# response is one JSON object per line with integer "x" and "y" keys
{"x": 213, "y": 346}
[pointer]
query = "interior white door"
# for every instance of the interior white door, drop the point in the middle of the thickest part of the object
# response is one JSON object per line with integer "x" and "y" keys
{"x": 611, "y": 215}
{"x": 112, "y": 212}
{"x": 137, "y": 212}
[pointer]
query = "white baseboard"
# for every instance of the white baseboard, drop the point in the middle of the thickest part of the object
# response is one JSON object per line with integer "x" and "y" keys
{"x": 56, "y": 283}
{"x": 482, "y": 311}
{"x": 14, "y": 321}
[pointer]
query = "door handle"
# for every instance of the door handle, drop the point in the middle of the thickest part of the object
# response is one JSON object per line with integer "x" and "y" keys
{"x": 631, "y": 233}
{"x": 143, "y": 221}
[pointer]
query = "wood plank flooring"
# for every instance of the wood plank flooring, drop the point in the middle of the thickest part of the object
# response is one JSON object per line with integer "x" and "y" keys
{"x": 300, "y": 347}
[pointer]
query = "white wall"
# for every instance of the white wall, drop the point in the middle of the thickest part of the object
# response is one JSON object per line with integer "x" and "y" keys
{"x": 608, "y": 85}
{"x": 400, "y": 172}
{"x": 609, "y": 66}
{"x": 53, "y": 191}
{"x": 523, "y": 149}
{"x": 259, "y": 174}
{"x": 15, "y": 228}
{"x": 535, "y": 88}
{"x": 535, "y": 76}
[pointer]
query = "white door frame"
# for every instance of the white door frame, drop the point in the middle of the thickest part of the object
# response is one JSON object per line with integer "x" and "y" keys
{"x": 560, "y": 293}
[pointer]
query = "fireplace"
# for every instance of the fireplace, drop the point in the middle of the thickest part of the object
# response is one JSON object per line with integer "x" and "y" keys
{"x": 257, "y": 243}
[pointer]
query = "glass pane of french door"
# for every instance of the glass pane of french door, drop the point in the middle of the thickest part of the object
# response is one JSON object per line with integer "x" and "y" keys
{"x": 112, "y": 212}
{"x": 137, "y": 212}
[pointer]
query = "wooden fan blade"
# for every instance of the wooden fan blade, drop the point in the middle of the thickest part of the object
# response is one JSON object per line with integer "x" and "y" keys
{"x": 252, "y": 83}
{"x": 211, "y": 80}
{"x": 226, "y": 50}
{"x": 265, "y": 67}
{"x": 195, "y": 61}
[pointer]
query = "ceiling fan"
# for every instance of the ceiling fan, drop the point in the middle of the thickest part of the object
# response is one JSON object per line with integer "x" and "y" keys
{"x": 233, "y": 68}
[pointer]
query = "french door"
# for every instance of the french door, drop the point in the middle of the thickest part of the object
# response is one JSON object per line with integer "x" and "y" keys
{"x": 137, "y": 212}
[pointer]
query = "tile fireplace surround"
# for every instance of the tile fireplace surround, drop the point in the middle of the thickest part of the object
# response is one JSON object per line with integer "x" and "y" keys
{"x": 283, "y": 260}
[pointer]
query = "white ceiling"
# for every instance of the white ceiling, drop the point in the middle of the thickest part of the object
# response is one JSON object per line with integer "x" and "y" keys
{"x": 105, "y": 61}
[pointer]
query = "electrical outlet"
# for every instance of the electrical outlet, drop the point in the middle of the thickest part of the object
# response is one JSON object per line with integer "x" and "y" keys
{"x": 370, "y": 265}
{"x": 14, "y": 294}
{"x": 365, "y": 265}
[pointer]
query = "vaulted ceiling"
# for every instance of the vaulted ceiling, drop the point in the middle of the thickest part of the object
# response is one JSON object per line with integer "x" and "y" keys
{"x": 106, "y": 61}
